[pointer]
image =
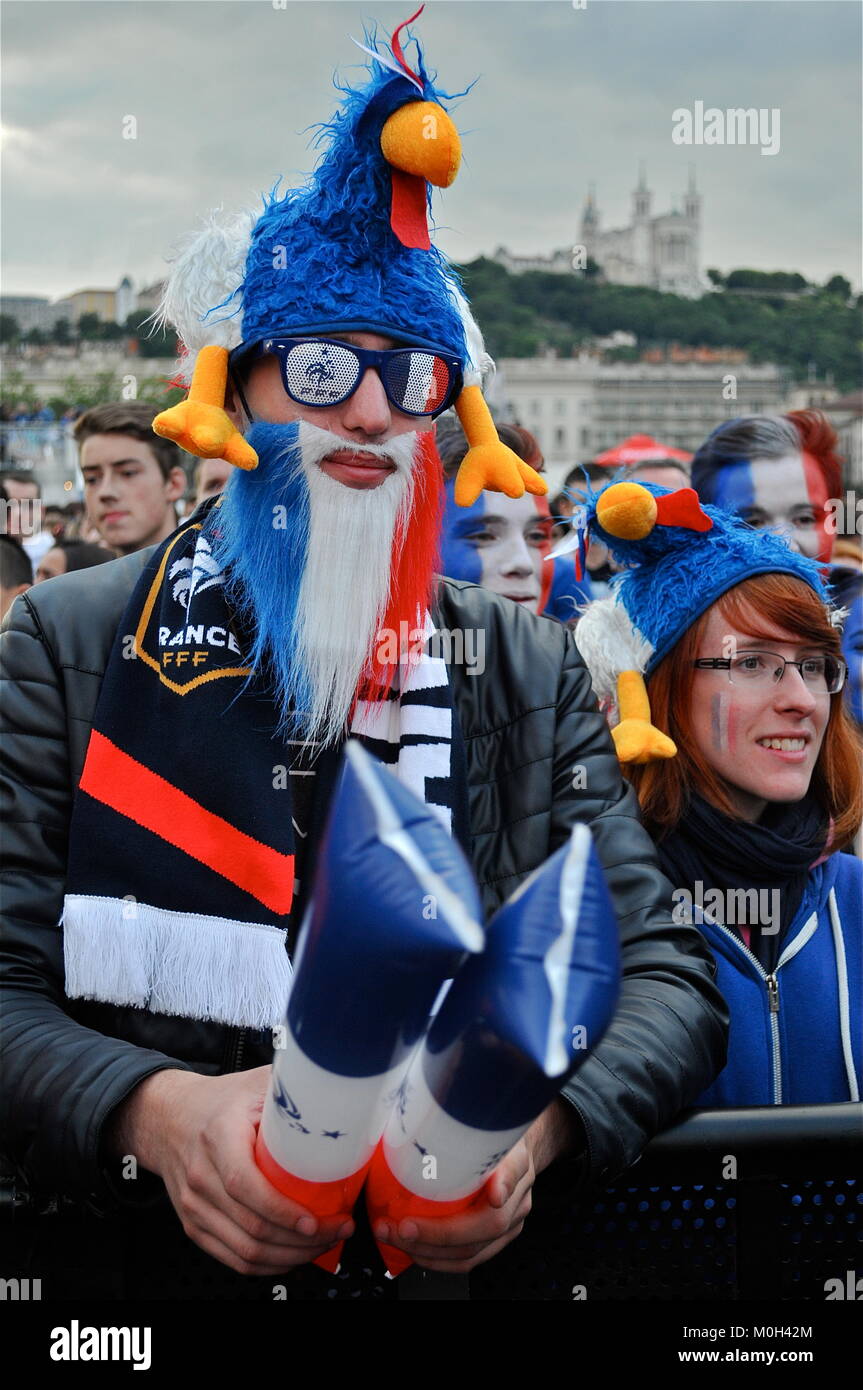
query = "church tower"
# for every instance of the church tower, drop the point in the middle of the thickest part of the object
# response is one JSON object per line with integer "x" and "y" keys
{"x": 692, "y": 200}
{"x": 641, "y": 198}
{"x": 590, "y": 222}
{"x": 642, "y": 236}
{"x": 692, "y": 211}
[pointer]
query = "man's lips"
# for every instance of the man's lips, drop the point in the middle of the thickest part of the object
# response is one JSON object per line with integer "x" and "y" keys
{"x": 114, "y": 516}
{"x": 354, "y": 467}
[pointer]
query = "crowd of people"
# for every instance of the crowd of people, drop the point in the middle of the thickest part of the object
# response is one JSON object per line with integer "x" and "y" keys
{"x": 135, "y": 488}
{"x": 683, "y": 676}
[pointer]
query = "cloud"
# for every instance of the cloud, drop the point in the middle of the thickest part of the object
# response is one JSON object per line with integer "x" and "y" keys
{"x": 222, "y": 95}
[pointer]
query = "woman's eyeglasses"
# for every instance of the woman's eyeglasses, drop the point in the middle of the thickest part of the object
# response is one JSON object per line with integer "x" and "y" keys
{"x": 823, "y": 674}
{"x": 322, "y": 372}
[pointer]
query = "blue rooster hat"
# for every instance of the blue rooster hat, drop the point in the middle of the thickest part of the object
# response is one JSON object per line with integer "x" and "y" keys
{"x": 679, "y": 558}
{"x": 330, "y": 255}
{"x": 348, "y": 251}
{"x": 687, "y": 561}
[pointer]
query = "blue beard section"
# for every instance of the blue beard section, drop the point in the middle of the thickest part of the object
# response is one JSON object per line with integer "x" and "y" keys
{"x": 260, "y": 537}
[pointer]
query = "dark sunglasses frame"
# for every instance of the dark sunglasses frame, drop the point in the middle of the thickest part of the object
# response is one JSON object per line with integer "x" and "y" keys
{"x": 367, "y": 357}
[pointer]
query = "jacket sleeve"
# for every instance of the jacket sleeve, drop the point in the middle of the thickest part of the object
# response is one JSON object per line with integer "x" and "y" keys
{"x": 60, "y": 1079}
{"x": 668, "y": 1037}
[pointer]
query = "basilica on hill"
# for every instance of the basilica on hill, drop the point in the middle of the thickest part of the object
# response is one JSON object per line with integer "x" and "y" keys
{"x": 659, "y": 250}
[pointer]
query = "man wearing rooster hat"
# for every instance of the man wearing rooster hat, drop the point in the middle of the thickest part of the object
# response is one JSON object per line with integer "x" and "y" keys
{"x": 185, "y": 709}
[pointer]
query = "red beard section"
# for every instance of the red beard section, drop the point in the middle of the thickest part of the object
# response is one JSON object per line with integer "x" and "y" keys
{"x": 415, "y": 559}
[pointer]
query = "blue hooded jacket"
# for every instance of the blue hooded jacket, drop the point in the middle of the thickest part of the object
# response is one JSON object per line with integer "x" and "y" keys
{"x": 797, "y": 1036}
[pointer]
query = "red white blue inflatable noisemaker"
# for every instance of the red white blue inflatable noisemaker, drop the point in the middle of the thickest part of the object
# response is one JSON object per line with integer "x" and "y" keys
{"x": 379, "y": 1080}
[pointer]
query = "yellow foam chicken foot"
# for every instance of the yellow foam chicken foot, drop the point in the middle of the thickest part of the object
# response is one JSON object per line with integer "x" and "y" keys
{"x": 488, "y": 463}
{"x": 199, "y": 423}
{"x": 635, "y": 738}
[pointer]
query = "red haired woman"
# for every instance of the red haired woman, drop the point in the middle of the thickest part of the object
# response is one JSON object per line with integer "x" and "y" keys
{"x": 747, "y": 768}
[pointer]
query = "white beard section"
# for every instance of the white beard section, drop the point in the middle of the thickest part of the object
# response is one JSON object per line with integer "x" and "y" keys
{"x": 346, "y": 584}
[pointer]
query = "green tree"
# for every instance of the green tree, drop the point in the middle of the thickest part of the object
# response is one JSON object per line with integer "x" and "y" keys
{"x": 62, "y": 332}
{"x": 104, "y": 386}
{"x": 10, "y": 332}
{"x": 13, "y": 389}
{"x": 155, "y": 389}
{"x": 837, "y": 284}
{"x": 523, "y": 314}
{"x": 90, "y": 327}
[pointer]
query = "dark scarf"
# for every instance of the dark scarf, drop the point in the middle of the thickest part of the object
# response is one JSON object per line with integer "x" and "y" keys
{"x": 775, "y": 853}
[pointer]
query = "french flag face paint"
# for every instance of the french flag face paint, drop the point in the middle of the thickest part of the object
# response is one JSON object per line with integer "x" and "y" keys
{"x": 787, "y": 494}
{"x": 394, "y": 912}
{"x": 517, "y": 1022}
{"x": 500, "y": 542}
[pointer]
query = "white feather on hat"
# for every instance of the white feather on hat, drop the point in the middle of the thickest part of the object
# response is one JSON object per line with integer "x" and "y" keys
{"x": 207, "y": 271}
{"x": 479, "y": 366}
{"x": 609, "y": 644}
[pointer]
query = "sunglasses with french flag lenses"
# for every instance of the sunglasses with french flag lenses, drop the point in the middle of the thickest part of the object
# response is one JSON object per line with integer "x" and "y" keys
{"x": 322, "y": 372}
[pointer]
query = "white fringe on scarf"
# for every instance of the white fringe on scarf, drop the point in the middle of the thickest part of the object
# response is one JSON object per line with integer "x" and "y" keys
{"x": 120, "y": 951}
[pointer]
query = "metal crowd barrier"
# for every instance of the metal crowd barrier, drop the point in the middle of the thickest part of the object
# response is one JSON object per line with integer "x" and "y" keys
{"x": 763, "y": 1203}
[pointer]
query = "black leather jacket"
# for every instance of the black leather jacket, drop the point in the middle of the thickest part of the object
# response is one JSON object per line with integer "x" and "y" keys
{"x": 528, "y": 721}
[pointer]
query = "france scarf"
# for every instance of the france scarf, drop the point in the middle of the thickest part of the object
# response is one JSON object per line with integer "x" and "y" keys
{"x": 181, "y": 881}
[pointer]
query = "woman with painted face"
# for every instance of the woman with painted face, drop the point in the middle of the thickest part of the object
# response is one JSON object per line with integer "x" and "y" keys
{"x": 720, "y": 665}
{"x": 502, "y": 542}
{"x": 781, "y": 472}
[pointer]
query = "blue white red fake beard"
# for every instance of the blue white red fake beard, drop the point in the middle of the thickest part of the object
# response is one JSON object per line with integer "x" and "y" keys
{"x": 317, "y": 570}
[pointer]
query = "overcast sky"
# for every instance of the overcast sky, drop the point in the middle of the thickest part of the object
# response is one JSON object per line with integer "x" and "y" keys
{"x": 221, "y": 94}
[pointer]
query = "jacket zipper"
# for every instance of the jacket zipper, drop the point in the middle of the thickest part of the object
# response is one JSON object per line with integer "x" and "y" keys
{"x": 238, "y": 1047}
{"x": 773, "y": 999}
{"x": 773, "y": 1003}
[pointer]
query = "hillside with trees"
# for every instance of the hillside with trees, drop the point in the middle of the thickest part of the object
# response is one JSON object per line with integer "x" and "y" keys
{"x": 775, "y": 317}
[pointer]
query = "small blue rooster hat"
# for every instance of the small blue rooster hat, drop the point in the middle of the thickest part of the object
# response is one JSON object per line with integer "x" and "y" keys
{"x": 679, "y": 558}
{"x": 690, "y": 557}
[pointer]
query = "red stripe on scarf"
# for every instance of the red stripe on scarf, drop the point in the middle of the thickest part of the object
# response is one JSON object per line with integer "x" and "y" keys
{"x": 128, "y": 787}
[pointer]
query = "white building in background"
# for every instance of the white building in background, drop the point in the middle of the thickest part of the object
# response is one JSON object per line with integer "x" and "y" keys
{"x": 31, "y": 311}
{"x": 150, "y": 296}
{"x": 34, "y": 311}
{"x": 578, "y": 406}
{"x": 660, "y": 251}
{"x": 845, "y": 414}
{"x": 559, "y": 262}
{"x": 125, "y": 300}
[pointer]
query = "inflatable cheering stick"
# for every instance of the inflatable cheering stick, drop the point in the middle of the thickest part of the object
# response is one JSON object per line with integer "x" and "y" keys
{"x": 517, "y": 1022}
{"x": 394, "y": 912}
